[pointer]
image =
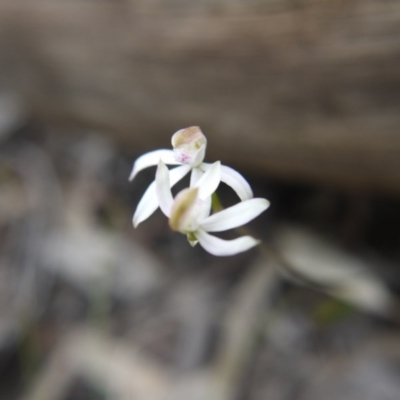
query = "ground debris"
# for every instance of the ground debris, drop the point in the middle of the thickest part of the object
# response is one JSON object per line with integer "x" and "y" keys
{"x": 91, "y": 307}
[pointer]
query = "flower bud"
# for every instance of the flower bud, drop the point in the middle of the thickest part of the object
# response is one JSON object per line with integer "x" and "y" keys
{"x": 189, "y": 146}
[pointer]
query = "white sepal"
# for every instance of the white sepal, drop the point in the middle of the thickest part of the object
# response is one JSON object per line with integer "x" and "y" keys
{"x": 236, "y": 181}
{"x": 163, "y": 189}
{"x": 147, "y": 205}
{"x": 151, "y": 159}
{"x": 210, "y": 180}
{"x": 235, "y": 216}
{"x": 220, "y": 247}
{"x": 195, "y": 176}
{"x": 149, "y": 201}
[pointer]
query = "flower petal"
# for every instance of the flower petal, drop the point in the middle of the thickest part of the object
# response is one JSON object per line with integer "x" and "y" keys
{"x": 220, "y": 247}
{"x": 164, "y": 181}
{"x": 236, "y": 181}
{"x": 209, "y": 182}
{"x": 147, "y": 205}
{"x": 149, "y": 202}
{"x": 235, "y": 216}
{"x": 152, "y": 158}
{"x": 206, "y": 209}
{"x": 195, "y": 176}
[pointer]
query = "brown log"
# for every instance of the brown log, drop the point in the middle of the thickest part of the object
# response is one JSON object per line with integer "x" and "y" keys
{"x": 300, "y": 89}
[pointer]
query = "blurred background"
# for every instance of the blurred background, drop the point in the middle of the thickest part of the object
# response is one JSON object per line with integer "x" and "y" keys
{"x": 302, "y": 97}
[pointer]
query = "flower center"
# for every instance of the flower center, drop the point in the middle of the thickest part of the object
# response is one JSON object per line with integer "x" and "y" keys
{"x": 187, "y": 211}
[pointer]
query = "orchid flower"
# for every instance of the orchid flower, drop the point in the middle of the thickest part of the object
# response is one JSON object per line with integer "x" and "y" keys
{"x": 189, "y": 212}
{"x": 189, "y": 147}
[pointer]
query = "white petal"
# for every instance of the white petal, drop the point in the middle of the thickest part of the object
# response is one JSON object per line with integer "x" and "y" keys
{"x": 195, "y": 176}
{"x": 236, "y": 181}
{"x": 209, "y": 182}
{"x": 206, "y": 209}
{"x": 235, "y": 216}
{"x": 152, "y": 158}
{"x": 164, "y": 183}
{"x": 220, "y": 247}
{"x": 147, "y": 205}
{"x": 149, "y": 202}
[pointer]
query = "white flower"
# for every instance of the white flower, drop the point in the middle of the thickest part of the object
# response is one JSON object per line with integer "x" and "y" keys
{"x": 189, "y": 212}
{"x": 189, "y": 146}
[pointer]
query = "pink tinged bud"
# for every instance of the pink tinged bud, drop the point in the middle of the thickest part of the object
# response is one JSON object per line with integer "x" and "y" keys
{"x": 189, "y": 146}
